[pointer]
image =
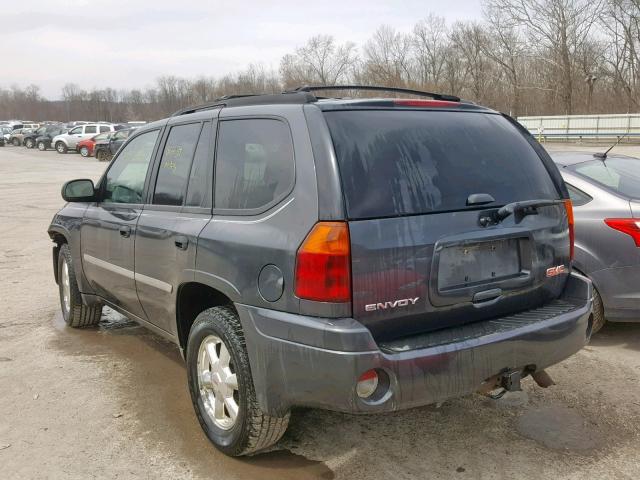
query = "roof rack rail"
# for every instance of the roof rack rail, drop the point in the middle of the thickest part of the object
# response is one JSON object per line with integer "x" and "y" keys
{"x": 377, "y": 88}
{"x": 292, "y": 97}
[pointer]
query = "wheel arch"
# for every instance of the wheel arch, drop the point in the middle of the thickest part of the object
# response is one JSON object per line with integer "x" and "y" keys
{"x": 193, "y": 298}
{"x": 60, "y": 237}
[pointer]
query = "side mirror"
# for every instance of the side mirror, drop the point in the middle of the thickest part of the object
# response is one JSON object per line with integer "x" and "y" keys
{"x": 79, "y": 191}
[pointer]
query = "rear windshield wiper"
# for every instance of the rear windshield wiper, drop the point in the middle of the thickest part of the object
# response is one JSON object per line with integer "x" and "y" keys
{"x": 518, "y": 209}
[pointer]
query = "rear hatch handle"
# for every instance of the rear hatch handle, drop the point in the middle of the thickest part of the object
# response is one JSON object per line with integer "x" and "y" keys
{"x": 518, "y": 209}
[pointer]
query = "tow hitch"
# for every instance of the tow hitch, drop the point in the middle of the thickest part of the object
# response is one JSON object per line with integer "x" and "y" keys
{"x": 509, "y": 381}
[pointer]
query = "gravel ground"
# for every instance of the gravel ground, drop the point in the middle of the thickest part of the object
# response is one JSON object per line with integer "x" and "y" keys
{"x": 112, "y": 402}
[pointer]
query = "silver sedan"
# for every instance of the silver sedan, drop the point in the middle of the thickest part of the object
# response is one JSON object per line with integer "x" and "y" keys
{"x": 606, "y": 199}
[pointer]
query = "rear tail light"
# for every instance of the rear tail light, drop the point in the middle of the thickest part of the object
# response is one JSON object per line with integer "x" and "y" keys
{"x": 630, "y": 226}
{"x": 323, "y": 264}
{"x": 425, "y": 103}
{"x": 572, "y": 236}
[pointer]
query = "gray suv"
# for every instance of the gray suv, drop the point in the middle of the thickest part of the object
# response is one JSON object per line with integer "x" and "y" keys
{"x": 359, "y": 255}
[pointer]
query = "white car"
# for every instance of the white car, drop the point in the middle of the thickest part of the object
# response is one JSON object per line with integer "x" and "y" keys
{"x": 68, "y": 141}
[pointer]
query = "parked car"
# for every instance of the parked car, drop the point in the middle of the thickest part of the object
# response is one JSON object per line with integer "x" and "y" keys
{"x": 106, "y": 148}
{"x": 606, "y": 198}
{"x": 5, "y": 133}
{"x": 358, "y": 255}
{"x": 43, "y": 142}
{"x": 68, "y": 141}
{"x": 29, "y": 140}
{"x": 16, "y": 136}
{"x": 86, "y": 147}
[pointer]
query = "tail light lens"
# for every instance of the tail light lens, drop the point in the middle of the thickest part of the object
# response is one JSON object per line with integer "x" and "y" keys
{"x": 630, "y": 226}
{"x": 572, "y": 236}
{"x": 323, "y": 264}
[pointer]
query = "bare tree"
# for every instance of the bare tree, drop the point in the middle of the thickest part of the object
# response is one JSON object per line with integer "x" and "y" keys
{"x": 387, "y": 58}
{"x": 430, "y": 41}
{"x": 556, "y": 30}
{"x": 321, "y": 61}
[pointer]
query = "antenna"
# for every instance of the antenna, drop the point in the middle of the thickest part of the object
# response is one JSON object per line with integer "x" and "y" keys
{"x": 603, "y": 156}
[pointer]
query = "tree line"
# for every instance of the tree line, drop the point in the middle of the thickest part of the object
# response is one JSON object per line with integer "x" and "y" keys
{"x": 524, "y": 57}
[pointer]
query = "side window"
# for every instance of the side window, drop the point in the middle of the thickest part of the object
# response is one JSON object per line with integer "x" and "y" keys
{"x": 104, "y": 128}
{"x": 578, "y": 197}
{"x": 254, "y": 163}
{"x": 124, "y": 182}
{"x": 201, "y": 171}
{"x": 76, "y": 131}
{"x": 91, "y": 129}
{"x": 175, "y": 164}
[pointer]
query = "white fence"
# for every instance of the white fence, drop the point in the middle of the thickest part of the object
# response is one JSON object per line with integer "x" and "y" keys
{"x": 584, "y": 127}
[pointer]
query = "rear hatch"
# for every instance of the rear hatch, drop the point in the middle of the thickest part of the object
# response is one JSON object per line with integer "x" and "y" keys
{"x": 417, "y": 184}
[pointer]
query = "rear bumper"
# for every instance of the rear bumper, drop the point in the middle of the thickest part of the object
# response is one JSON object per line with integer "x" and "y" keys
{"x": 306, "y": 361}
{"x": 620, "y": 292}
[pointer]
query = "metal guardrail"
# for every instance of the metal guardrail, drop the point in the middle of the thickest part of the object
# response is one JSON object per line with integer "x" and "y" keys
{"x": 624, "y": 127}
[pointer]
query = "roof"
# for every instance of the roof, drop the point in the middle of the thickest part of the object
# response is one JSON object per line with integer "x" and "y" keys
{"x": 305, "y": 95}
{"x": 566, "y": 159}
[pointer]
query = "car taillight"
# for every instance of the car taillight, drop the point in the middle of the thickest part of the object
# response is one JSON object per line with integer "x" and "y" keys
{"x": 630, "y": 226}
{"x": 572, "y": 236}
{"x": 425, "y": 103}
{"x": 323, "y": 264}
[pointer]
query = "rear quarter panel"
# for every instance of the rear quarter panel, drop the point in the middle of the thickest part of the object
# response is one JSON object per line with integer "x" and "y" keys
{"x": 233, "y": 249}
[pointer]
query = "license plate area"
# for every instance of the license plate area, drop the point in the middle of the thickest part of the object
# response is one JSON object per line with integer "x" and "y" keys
{"x": 462, "y": 269}
{"x": 467, "y": 265}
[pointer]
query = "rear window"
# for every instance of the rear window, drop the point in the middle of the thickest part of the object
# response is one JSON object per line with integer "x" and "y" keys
{"x": 622, "y": 175}
{"x": 403, "y": 162}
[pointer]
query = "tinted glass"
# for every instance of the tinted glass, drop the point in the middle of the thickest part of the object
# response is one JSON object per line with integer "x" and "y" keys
{"x": 621, "y": 175}
{"x": 411, "y": 162}
{"x": 90, "y": 129}
{"x": 121, "y": 135}
{"x": 578, "y": 197}
{"x": 201, "y": 171}
{"x": 76, "y": 131}
{"x": 175, "y": 164}
{"x": 125, "y": 179}
{"x": 104, "y": 128}
{"x": 254, "y": 163}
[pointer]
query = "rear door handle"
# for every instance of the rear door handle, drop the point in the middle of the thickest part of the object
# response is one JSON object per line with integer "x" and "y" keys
{"x": 125, "y": 231}
{"x": 181, "y": 242}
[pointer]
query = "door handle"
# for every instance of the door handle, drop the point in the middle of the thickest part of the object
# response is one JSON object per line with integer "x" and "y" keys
{"x": 181, "y": 242}
{"x": 125, "y": 231}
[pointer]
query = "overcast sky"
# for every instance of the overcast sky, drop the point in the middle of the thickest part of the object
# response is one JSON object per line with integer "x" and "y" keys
{"x": 129, "y": 43}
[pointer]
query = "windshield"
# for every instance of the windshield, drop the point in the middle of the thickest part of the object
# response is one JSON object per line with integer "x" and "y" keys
{"x": 621, "y": 175}
{"x": 400, "y": 162}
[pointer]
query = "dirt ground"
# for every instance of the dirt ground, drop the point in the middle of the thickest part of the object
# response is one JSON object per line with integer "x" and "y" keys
{"x": 112, "y": 402}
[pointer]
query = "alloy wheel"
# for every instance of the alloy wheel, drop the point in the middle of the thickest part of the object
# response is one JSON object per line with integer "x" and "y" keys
{"x": 218, "y": 383}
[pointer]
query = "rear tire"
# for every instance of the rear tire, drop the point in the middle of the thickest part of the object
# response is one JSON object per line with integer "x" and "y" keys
{"x": 29, "y": 143}
{"x": 61, "y": 147}
{"x": 598, "y": 312}
{"x": 16, "y": 142}
{"x": 219, "y": 379}
{"x": 75, "y": 313}
{"x": 41, "y": 146}
{"x": 84, "y": 151}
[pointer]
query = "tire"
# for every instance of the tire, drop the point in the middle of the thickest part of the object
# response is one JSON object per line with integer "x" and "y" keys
{"x": 61, "y": 147}
{"x": 100, "y": 156}
{"x": 598, "y": 312}
{"x": 251, "y": 430}
{"x": 16, "y": 142}
{"x": 84, "y": 151}
{"x": 75, "y": 313}
{"x": 41, "y": 146}
{"x": 29, "y": 143}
